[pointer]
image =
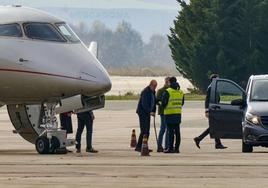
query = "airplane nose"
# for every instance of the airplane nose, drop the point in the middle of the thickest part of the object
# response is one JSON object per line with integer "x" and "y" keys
{"x": 105, "y": 83}
{"x": 103, "y": 78}
{"x": 100, "y": 82}
{"x": 95, "y": 80}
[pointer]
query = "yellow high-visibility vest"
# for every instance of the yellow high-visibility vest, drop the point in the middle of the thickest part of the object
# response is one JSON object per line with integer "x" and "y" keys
{"x": 174, "y": 105}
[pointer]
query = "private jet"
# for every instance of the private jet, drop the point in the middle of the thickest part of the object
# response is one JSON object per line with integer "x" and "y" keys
{"x": 45, "y": 69}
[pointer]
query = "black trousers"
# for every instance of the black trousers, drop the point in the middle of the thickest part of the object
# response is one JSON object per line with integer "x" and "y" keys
{"x": 145, "y": 120}
{"x": 66, "y": 123}
{"x": 206, "y": 133}
{"x": 174, "y": 129}
{"x": 82, "y": 122}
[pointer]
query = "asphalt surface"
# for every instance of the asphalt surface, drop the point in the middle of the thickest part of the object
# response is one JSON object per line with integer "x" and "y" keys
{"x": 117, "y": 165}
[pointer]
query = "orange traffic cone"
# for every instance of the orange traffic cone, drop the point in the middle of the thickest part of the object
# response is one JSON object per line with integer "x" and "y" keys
{"x": 144, "y": 147}
{"x": 133, "y": 141}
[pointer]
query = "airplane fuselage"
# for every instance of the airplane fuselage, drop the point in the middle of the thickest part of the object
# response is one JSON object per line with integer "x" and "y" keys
{"x": 37, "y": 70}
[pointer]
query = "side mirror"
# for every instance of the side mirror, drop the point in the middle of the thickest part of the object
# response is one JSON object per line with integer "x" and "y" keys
{"x": 238, "y": 102}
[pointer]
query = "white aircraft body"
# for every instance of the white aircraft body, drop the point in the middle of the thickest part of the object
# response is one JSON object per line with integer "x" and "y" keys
{"x": 45, "y": 69}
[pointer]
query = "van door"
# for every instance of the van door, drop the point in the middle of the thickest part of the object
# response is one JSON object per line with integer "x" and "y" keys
{"x": 226, "y": 109}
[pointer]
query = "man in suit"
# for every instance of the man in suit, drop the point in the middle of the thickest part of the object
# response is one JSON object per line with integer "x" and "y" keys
{"x": 66, "y": 122}
{"x": 146, "y": 108}
{"x": 197, "y": 140}
{"x": 85, "y": 119}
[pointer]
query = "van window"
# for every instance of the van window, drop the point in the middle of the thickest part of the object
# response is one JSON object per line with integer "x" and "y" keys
{"x": 10, "y": 30}
{"x": 226, "y": 92}
{"x": 259, "y": 90}
{"x": 42, "y": 31}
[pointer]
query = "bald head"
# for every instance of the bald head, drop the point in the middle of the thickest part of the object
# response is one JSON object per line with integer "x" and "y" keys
{"x": 153, "y": 85}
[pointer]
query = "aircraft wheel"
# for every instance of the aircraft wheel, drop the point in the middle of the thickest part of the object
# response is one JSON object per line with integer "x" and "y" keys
{"x": 42, "y": 145}
{"x": 246, "y": 148}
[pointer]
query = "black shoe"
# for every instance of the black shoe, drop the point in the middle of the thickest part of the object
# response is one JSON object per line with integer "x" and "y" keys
{"x": 168, "y": 151}
{"x": 220, "y": 146}
{"x": 160, "y": 149}
{"x": 92, "y": 150}
{"x": 150, "y": 150}
{"x": 177, "y": 151}
{"x": 197, "y": 142}
{"x": 78, "y": 150}
{"x": 138, "y": 149}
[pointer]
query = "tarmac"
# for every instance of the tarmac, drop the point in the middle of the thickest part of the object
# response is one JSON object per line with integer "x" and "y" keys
{"x": 117, "y": 165}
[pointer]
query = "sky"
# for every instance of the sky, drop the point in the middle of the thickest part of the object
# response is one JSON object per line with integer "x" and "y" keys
{"x": 107, "y": 4}
{"x": 157, "y": 19}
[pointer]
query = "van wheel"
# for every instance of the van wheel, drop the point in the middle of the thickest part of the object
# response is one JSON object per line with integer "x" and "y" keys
{"x": 246, "y": 148}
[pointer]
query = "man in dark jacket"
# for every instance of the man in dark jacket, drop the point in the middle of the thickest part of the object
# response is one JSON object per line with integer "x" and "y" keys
{"x": 146, "y": 108}
{"x": 66, "y": 122}
{"x": 163, "y": 126}
{"x": 197, "y": 140}
{"x": 172, "y": 102}
{"x": 85, "y": 119}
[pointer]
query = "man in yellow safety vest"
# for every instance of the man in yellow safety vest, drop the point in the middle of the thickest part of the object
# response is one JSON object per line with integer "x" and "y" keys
{"x": 172, "y": 102}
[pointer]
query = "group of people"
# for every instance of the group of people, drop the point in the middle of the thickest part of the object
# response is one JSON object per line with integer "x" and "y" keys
{"x": 85, "y": 119}
{"x": 170, "y": 100}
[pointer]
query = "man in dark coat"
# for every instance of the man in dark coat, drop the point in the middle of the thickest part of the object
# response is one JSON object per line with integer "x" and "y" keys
{"x": 66, "y": 122}
{"x": 146, "y": 108}
{"x": 85, "y": 119}
{"x": 197, "y": 140}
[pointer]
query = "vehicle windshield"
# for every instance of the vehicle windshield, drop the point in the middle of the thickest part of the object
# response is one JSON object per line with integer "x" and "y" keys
{"x": 42, "y": 31}
{"x": 10, "y": 30}
{"x": 67, "y": 32}
{"x": 259, "y": 90}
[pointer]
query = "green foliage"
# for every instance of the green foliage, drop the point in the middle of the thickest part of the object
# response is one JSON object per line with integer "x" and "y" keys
{"x": 228, "y": 37}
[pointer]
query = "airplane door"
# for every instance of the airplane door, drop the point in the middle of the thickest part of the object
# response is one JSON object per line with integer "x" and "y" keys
{"x": 226, "y": 109}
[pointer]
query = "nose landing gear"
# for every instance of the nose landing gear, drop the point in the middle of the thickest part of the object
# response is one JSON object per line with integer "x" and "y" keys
{"x": 52, "y": 140}
{"x": 38, "y": 125}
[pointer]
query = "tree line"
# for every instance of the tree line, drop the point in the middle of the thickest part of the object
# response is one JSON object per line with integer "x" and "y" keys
{"x": 124, "y": 49}
{"x": 228, "y": 37}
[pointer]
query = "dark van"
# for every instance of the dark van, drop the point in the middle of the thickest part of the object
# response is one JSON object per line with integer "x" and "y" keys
{"x": 238, "y": 114}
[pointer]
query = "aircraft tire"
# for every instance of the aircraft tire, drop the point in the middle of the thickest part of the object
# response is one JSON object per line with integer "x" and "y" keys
{"x": 42, "y": 145}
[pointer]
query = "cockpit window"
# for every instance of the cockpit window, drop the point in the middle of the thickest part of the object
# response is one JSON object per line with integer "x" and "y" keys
{"x": 42, "y": 31}
{"x": 10, "y": 30}
{"x": 67, "y": 32}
